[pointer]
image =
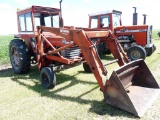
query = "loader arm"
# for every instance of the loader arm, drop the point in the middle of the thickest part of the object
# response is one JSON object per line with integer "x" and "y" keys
{"x": 116, "y": 49}
{"x": 82, "y": 39}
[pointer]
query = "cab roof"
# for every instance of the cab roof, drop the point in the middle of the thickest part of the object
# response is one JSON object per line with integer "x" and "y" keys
{"x": 39, "y": 9}
{"x": 104, "y": 12}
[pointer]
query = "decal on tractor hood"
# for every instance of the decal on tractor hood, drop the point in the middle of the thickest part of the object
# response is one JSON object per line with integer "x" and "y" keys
{"x": 63, "y": 31}
{"x": 64, "y": 41}
{"x": 126, "y": 30}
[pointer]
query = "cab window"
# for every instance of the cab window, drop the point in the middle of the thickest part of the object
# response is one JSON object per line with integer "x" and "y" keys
{"x": 25, "y": 22}
{"x": 104, "y": 21}
{"x": 94, "y": 22}
{"x": 47, "y": 19}
{"x": 116, "y": 19}
{"x": 21, "y": 22}
{"x": 28, "y": 22}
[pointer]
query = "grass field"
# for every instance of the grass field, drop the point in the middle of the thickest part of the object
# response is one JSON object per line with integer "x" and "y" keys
{"x": 4, "y": 44}
{"x": 76, "y": 96}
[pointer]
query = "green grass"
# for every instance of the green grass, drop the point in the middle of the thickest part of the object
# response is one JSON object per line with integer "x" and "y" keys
{"x": 154, "y": 34}
{"x": 76, "y": 96}
{"x": 4, "y": 45}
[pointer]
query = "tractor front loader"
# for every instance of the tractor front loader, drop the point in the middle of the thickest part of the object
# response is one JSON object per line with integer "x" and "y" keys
{"x": 132, "y": 87}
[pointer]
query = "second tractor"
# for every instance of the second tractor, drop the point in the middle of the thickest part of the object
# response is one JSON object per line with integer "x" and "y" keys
{"x": 135, "y": 39}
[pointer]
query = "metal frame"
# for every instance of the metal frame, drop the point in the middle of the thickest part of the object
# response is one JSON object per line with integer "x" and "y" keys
{"x": 80, "y": 38}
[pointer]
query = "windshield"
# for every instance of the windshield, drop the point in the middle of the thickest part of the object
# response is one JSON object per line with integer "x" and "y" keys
{"x": 116, "y": 19}
{"x": 46, "y": 20}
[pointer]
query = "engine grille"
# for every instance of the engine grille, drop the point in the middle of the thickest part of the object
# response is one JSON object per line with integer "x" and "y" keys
{"x": 71, "y": 53}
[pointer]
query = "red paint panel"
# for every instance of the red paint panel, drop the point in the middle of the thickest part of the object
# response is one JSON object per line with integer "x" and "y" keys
{"x": 138, "y": 31}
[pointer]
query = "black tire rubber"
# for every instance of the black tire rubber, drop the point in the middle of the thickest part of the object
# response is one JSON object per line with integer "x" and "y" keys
{"x": 103, "y": 49}
{"x": 48, "y": 78}
{"x": 154, "y": 47}
{"x": 136, "y": 52}
{"x": 158, "y": 34}
{"x": 149, "y": 51}
{"x": 19, "y": 56}
{"x": 107, "y": 51}
{"x": 86, "y": 68}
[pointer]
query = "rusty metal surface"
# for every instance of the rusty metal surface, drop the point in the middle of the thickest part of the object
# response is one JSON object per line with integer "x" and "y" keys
{"x": 132, "y": 88}
{"x": 142, "y": 98}
{"x": 78, "y": 38}
{"x": 110, "y": 62}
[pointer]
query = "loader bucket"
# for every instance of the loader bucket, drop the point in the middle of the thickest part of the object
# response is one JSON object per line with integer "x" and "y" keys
{"x": 132, "y": 88}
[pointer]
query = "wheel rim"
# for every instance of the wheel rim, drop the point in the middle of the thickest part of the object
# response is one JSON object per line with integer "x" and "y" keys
{"x": 135, "y": 54}
{"x": 45, "y": 80}
{"x": 14, "y": 57}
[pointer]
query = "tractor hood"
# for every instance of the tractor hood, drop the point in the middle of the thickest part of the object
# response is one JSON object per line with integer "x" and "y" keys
{"x": 54, "y": 39}
{"x": 141, "y": 33}
{"x": 131, "y": 29}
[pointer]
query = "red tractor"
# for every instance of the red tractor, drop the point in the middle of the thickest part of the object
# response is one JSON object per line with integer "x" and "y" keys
{"x": 136, "y": 40}
{"x": 43, "y": 39}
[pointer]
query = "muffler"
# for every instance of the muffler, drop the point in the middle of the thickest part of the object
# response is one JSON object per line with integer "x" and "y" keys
{"x": 132, "y": 87}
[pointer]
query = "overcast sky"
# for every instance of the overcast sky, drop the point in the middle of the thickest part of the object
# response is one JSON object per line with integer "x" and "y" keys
{"x": 75, "y": 12}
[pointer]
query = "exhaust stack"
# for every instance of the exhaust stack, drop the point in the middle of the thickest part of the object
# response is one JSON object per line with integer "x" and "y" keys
{"x": 60, "y": 16}
{"x": 144, "y": 20}
{"x": 135, "y": 16}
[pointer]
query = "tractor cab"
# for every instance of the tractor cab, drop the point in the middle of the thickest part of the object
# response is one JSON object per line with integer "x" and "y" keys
{"x": 105, "y": 20}
{"x": 28, "y": 20}
{"x": 34, "y": 16}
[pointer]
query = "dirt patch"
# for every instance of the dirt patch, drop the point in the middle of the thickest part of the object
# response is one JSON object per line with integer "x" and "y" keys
{"x": 5, "y": 68}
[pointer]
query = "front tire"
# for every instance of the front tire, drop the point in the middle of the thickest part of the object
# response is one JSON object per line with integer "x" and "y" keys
{"x": 19, "y": 56}
{"x": 149, "y": 51}
{"x": 48, "y": 78}
{"x": 86, "y": 68}
{"x": 136, "y": 52}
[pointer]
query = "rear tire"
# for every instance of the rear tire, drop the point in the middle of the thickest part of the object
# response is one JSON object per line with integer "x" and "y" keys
{"x": 19, "y": 56}
{"x": 136, "y": 52}
{"x": 48, "y": 78}
{"x": 86, "y": 68}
